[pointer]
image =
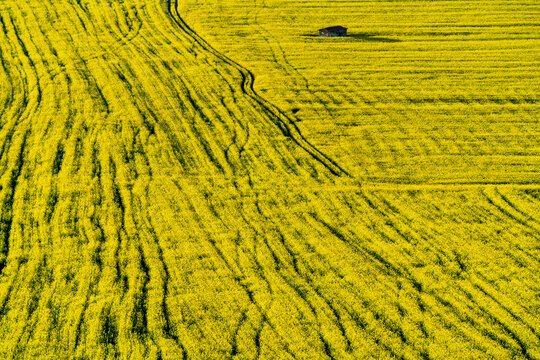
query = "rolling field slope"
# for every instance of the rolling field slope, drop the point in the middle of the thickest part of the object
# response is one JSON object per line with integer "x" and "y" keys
{"x": 155, "y": 206}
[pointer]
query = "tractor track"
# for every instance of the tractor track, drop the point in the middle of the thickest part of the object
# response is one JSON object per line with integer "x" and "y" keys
{"x": 280, "y": 119}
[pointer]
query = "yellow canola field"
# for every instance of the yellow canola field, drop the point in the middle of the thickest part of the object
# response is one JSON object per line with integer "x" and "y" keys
{"x": 418, "y": 92}
{"x": 153, "y": 205}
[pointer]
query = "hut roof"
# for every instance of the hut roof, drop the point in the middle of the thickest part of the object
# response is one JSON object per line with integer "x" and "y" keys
{"x": 333, "y": 29}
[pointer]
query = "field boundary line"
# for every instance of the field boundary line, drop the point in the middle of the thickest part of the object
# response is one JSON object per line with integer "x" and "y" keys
{"x": 278, "y": 117}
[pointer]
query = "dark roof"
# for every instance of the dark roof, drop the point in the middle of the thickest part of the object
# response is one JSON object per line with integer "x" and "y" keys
{"x": 334, "y": 29}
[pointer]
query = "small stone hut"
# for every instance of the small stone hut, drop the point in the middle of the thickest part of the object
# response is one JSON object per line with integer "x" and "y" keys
{"x": 333, "y": 31}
